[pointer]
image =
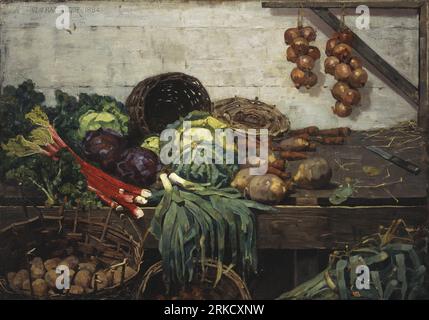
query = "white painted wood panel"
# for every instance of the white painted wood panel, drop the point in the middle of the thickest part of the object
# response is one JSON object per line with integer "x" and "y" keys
{"x": 233, "y": 47}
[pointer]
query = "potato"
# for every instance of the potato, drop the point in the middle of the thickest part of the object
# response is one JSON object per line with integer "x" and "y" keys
{"x": 19, "y": 278}
{"x": 26, "y": 285}
{"x": 83, "y": 278}
{"x": 37, "y": 271}
{"x": 109, "y": 274}
{"x": 10, "y": 276}
{"x": 314, "y": 173}
{"x": 102, "y": 280}
{"x": 268, "y": 188}
{"x": 51, "y": 278}
{"x": 90, "y": 266}
{"x": 74, "y": 289}
{"x": 51, "y": 263}
{"x": 37, "y": 261}
{"x": 40, "y": 288}
{"x": 242, "y": 179}
{"x": 71, "y": 261}
{"x": 37, "y": 268}
{"x": 117, "y": 275}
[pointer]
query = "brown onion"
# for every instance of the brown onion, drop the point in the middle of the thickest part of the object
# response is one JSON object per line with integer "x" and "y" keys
{"x": 342, "y": 71}
{"x": 339, "y": 89}
{"x": 291, "y": 54}
{"x": 310, "y": 80}
{"x": 305, "y": 63}
{"x": 330, "y": 64}
{"x": 346, "y": 36}
{"x": 342, "y": 110}
{"x": 308, "y": 33}
{"x": 291, "y": 34}
{"x": 300, "y": 45}
{"x": 330, "y": 45}
{"x": 335, "y": 35}
{"x": 355, "y": 63}
{"x": 298, "y": 77}
{"x": 342, "y": 51}
{"x": 358, "y": 78}
{"x": 314, "y": 52}
{"x": 351, "y": 97}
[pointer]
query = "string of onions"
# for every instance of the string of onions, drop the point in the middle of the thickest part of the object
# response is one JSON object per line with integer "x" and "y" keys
{"x": 302, "y": 53}
{"x": 347, "y": 70}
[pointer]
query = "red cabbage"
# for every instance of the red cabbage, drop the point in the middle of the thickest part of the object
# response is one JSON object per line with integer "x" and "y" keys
{"x": 138, "y": 166}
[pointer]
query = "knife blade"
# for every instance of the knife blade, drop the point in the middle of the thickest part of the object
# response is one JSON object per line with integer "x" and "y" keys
{"x": 404, "y": 164}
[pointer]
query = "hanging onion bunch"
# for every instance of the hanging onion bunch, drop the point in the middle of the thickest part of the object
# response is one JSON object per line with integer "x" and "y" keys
{"x": 347, "y": 70}
{"x": 302, "y": 53}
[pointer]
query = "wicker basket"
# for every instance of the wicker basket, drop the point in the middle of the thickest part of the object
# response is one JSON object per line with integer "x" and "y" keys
{"x": 230, "y": 286}
{"x": 162, "y": 99}
{"x": 115, "y": 242}
{"x": 243, "y": 113}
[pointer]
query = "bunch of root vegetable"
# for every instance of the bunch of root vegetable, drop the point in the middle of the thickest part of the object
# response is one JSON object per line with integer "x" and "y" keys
{"x": 313, "y": 172}
{"x": 302, "y": 53}
{"x": 304, "y": 140}
{"x": 347, "y": 70}
{"x": 45, "y": 140}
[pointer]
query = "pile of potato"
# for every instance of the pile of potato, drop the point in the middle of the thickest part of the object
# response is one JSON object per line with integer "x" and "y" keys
{"x": 85, "y": 277}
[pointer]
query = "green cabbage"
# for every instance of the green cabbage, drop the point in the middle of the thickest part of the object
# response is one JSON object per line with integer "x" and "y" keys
{"x": 92, "y": 120}
{"x": 215, "y": 174}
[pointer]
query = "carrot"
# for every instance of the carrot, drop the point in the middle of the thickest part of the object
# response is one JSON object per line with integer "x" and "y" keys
{"x": 294, "y": 144}
{"x": 329, "y": 140}
{"x": 278, "y": 164}
{"x": 279, "y": 173}
{"x": 290, "y": 155}
{"x": 335, "y": 132}
{"x": 312, "y": 130}
{"x": 305, "y": 136}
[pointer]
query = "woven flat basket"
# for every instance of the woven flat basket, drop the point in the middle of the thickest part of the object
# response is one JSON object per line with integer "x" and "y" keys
{"x": 163, "y": 99}
{"x": 229, "y": 287}
{"x": 243, "y": 113}
{"x": 114, "y": 242}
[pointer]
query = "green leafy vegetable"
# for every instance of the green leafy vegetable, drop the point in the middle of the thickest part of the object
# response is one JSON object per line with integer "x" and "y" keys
{"x": 21, "y": 147}
{"x": 342, "y": 193}
{"x": 21, "y": 109}
{"x": 73, "y": 116}
{"x": 151, "y": 143}
{"x": 193, "y": 222}
{"x": 216, "y": 173}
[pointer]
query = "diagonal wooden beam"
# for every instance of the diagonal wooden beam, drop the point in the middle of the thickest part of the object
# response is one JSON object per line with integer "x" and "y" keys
{"x": 423, "y": 116}
{"x": 396, "y": 79}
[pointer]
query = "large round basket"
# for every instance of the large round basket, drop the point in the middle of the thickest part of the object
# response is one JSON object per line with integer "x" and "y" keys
{"x": 229, "y": 287}
{"x": 113, "y": 243}
{"x": 162, "y": 99}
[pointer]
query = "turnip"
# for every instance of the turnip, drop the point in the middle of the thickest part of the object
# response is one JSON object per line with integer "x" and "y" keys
{"x": 313, "y": 173}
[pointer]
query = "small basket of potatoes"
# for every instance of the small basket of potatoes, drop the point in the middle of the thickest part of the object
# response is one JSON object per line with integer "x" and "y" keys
{"x": 70, "y": 254}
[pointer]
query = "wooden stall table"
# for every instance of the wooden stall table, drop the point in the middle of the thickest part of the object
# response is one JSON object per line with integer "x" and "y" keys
{"x": 307, "y": 219}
